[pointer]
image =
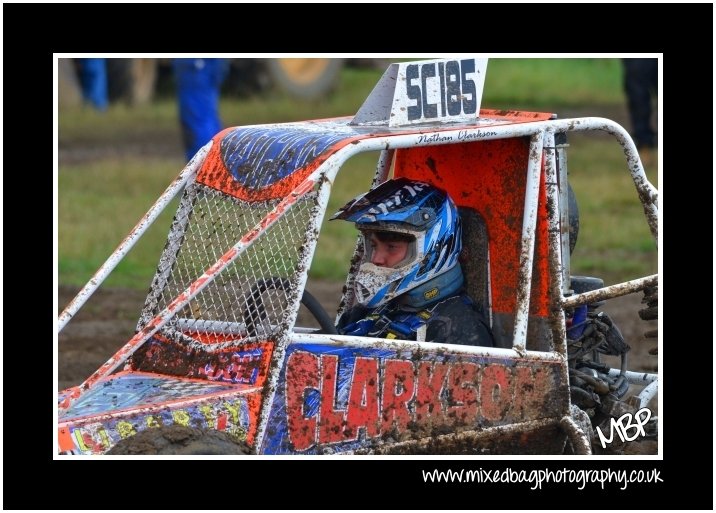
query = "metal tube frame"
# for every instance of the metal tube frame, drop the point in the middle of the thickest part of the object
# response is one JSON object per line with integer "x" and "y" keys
{"x": 326, "y": 173}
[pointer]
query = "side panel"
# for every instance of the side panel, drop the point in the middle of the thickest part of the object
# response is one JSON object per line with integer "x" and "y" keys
{"x": 340, "y": 398}
{"x": 130, "y": 403}
{"x": 237, "y": 363}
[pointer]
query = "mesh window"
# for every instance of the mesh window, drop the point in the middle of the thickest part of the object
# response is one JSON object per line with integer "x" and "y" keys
{"x": 252, "y": 296}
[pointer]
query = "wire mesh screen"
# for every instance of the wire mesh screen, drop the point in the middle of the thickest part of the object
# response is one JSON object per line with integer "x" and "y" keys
{"x": 252, "y": 296}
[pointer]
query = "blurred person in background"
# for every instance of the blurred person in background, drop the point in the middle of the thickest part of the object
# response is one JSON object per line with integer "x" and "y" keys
{"x": 641, "y": 86}
{"x": 93, "y": 81}
{"x": 198, "y": 89}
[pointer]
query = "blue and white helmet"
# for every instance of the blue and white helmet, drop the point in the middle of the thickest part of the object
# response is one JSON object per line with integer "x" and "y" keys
{"x": 415, "y": 208}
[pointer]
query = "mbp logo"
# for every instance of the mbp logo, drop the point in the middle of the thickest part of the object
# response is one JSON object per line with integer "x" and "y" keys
{"x": 623, "y": 425}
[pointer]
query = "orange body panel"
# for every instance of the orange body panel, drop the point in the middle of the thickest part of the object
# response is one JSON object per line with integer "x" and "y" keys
{"x": 490, "y": 177}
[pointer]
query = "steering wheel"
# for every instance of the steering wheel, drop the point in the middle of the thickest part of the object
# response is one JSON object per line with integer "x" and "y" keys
{"x": 255, "y": 306}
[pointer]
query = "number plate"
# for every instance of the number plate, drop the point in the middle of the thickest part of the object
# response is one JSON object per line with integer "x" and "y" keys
{"x": 446, "y": 90}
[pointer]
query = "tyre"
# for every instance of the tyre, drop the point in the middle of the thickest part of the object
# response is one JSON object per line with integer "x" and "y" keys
{"x": 305, "y": 78}
{"x": 180, "y": 440}
{"x": 582, "y": 420}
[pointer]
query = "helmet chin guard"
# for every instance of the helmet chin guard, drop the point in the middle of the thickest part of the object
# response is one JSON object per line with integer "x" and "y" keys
{"x": 370, "y": 284}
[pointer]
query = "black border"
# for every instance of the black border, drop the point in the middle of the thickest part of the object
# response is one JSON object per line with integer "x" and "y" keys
{"x": 33, "y": 32}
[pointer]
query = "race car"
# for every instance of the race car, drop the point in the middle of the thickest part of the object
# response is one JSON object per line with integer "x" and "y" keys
{"x": 217, "y": 348}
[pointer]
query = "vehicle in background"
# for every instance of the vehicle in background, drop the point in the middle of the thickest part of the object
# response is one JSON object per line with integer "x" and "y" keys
{"x": 138, "y": 80}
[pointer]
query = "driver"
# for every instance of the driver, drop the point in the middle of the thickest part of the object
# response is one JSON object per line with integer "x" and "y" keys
{"x": 410, "y": 284}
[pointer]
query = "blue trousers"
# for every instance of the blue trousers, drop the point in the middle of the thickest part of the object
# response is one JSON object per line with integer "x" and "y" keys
{"x": 93, "y": 79}
{"x": 198, "y": 88}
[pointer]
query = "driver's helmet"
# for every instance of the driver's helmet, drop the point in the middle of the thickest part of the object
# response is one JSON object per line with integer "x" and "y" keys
{"x": 417, "y": 209}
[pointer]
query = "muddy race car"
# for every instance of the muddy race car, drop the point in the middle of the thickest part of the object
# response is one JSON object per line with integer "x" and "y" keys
{"x": 219, "y": 366}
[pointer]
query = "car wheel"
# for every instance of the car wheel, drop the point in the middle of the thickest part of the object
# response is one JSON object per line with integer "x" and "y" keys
{"x": 305, "y": 78}
{"x": 180, "y": 440}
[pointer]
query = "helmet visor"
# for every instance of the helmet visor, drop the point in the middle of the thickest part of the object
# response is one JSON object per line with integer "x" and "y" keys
{"x": 374, "y": 236}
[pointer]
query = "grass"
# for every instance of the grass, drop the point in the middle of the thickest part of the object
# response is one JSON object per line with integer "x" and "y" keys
{"x": 99, "y": 205}
{"x": 510, "y": 84}
{"x": 614, "y": 240}
{"x": 337, "y": 241}
{"x": 122, "y": 122}
{"x": 101, "y": 199}
{"x": 548, "y": 83}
